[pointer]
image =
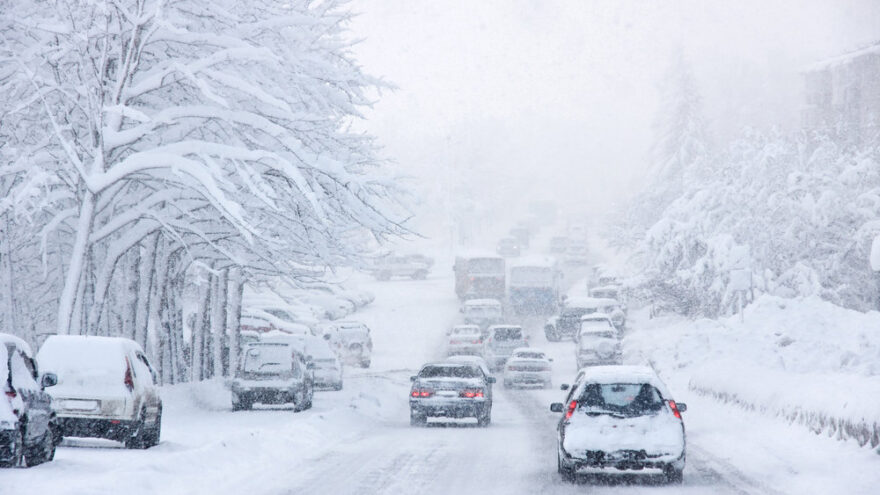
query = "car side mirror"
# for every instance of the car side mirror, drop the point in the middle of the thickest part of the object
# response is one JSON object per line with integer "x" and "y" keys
{"x": 413, "y": 378}
{"x": 556, "y": 407}
{"x": 682, "y": 407}
{"x": 49, "y": 380}
{"x": 490, "y": 379}
{"x": 564, "y": 386}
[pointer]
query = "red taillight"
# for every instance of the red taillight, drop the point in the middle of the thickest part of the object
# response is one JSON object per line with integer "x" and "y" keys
{"x": 421, "y": 393}
{"x": 454, "y": 342}
{"x": 470, "y": 394}
{"x": 11, "y": 394}
{"x": 129, "y": 379}
{"x": 571, "y": 407}
{"x": 476, "y": 342}
{"x": 674, "y": 407}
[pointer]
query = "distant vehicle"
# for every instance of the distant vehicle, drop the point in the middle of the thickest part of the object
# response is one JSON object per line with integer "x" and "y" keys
{"x": 606, "y": 292}
{"x": 106, "y": 389}
{"x": 527, "y": 366}
{"x": 507, "y": 247}
{"x": 559, "y": 244}
{"x": 568, "y": 322}
{"x": 521, "y": 234}
{"x": 272, "y": 373}
{"x": 28, "y": 428}
{"x": 598, "y": 345}
{"x": 352, "y": 342}
{"x": 500, "y": 343}
{"x": 415, "y": 267}
{"x": 576, "y": 253}
{"x": 605, "y": 408}
{"x": 482, "y": 312}
{"x": 479, "y": 277}
{"x": 534, "y": 285}
{"x": 450, "y": 390}
{"x": 465, "y": 339}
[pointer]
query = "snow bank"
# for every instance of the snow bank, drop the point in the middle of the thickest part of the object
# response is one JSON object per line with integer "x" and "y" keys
{"x": 805, "y": 360}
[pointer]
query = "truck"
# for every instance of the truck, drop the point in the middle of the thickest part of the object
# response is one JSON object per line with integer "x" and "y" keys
{"x": 534, "y": 286}
{"x": 480, "y": 276}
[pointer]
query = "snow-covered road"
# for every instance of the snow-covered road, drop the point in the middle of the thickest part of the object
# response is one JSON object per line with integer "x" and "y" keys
{"x": 359, "y": 440}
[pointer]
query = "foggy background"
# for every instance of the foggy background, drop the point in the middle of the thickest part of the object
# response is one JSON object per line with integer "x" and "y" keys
{"x": 499, "y": 102}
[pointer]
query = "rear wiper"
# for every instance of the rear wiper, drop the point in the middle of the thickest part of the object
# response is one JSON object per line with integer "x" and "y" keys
{"x": 609, "y": 413}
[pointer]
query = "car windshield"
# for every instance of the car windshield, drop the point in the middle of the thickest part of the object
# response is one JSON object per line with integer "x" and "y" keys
{"x": 513, "y": 333}
{"x": 487, "y": 310}
{"x": 486, "y": 266}
{"x": 462, "y": 371}
{"x": 598, "y": 335}
{"x": 268, "y": 358}
{"x": 626, "y": 399}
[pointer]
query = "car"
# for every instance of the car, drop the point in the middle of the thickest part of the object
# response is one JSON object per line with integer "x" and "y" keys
{"x": 527, "y": 366}
{"x": 480, "y": 276}
{"x": 415, "y": 267}
{"x": 521, "y": 234}
{"x": 272, "y": 373}
{"x": 482, "y": 312}
{"x": 28, "y": 429}
{"x": 559, "y": 244}
{"x": 477, "y": 360}
{"x": 606, "y": 407}
{"x": 106, "y": 388}
{"x": 596, "y": 321}
{"x": 351, "y": 341}
{"x": 598, "y": 346}
{"x": 322, "y": 365}
{"x": 500, "y": 343}
{"x": 464, "y": 339}
{"x": 508, "y": 246}
{"x": 568, "y": 322}
{"x": 450, "y": 390}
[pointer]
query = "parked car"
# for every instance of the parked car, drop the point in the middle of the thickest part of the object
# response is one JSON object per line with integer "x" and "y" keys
{"x": 568, "y": 322}
{"x": 609, "y": 404}
{"x": 326, "y": 365}
{"x": 352, "y": 342}
{"x": 410, "y": 266}
{"x": 508, "y": 246}
{"x": 598, "y": 346}
{"x": 106, "y": 388}
{"x": 28, "y": 428}
{"x": 482, "y": 312}
{"x": 450, "y": 390}
{"x": 272, "y": 373}
{"x": 527, "y": 366}
{"x": 500, "y": 343}
{"x": 464, "y": 339}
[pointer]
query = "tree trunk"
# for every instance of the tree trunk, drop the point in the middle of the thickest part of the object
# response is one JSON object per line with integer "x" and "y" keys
{"x": 198, "y": 332}
{"x": 133, "y": 284}
{"x": 75, "y": 268}
{"x": 233, "y": 317}
{"x": 146, "y": 279}
{"x": 218, "y": 320}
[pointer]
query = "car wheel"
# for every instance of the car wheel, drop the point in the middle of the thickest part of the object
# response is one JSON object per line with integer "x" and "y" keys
{"x": 365, "y": 364}
{"x": 135, "y": 439}
{"x": 566, "y": 472}
{"x": 420, "y": 275}
{"x": 42, "y": 452}
{"x": 551, "y": 336}
{"x": 416, "y": 419}
{"x": 337, "y": 386}
{"x": 17, "y": 451}
{"x": 673, "y": 475}
{"x": 154, "y": 433}
{"x": 485, "y": 418}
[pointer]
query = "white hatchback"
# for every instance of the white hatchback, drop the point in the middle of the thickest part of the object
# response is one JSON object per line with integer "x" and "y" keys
{"x": 528, "y": 366}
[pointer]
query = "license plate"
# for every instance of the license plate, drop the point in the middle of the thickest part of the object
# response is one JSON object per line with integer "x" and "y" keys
{"x": 80, "y": 405}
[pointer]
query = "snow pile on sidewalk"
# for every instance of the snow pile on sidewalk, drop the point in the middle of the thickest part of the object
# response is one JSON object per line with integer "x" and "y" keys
{"x": 806, "y": 360}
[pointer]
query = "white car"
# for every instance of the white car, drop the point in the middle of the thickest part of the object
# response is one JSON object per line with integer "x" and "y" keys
{"x": 593, "y": 322}
{"x": 464, "y": 339}
{"x": 598, "y": 346}
{"x": 106, "y": 389}
{"x": 621, "y": 418}
{"x": 482, "y": 312}
{"x": 351, "y": 341}
{"x": 326, "y": 367}
{"x": 528, "y": 366}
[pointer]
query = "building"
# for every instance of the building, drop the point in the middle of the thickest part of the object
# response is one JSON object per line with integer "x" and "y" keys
{"x": 842, "y": 94}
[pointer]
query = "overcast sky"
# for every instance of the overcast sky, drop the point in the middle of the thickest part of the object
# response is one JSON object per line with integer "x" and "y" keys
{"x": 557, "y": 98}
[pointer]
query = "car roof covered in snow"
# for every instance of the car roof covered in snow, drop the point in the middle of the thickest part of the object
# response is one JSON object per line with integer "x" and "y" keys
{"x": 596, "y": 317}
{"x": 17, "y": 342}
{"x": 534, "y": 261}
{"x": 482, "y": 302}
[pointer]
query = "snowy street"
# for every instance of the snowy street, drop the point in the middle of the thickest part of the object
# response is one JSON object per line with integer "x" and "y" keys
{"x": 359, "y": 440}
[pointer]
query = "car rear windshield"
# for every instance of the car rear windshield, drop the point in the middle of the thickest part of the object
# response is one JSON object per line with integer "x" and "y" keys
{"x": 508, "y": 334}
{"x": 463, "y": 371}
{"x": 536, "y": 275}
{"x": 530, "y": 355}
{"x": 268, "y": 358}
{"x": 598, "y": 335}
{"x": 627, "y": 399}
{"x": 488, "y": 310}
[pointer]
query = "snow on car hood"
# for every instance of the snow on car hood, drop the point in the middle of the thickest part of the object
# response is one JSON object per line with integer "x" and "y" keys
{"x": 656, "y": 434}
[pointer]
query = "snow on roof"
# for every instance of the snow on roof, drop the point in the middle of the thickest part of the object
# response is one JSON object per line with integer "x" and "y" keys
{"x": 595, "y": 317}
{"x": 534, "y": 260}
{"x": 621, "y": 374}
{"x": 482, "y": 302}
{"x": 12, "y": 339}
{"x": 504, "y": 326}
{"x": 843, "y": 58}
{"x": 466, "y": 326}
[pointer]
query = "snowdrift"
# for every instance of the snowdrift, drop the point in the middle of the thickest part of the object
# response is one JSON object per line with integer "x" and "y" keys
{"x": 805, "y": 360}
